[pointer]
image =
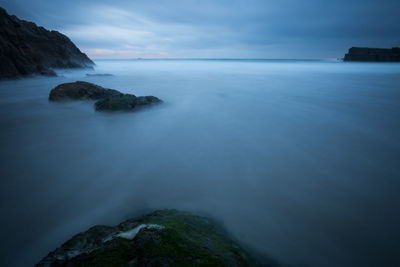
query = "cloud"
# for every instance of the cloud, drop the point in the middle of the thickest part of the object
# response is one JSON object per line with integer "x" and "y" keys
{"x": 219, "y": 28}
{"x": 100, "y": 53}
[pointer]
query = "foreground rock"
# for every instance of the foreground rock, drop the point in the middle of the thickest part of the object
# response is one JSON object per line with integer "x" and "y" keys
{"x": 27, "y": 49}
{"x": 162, "y": 238}
{"x": 109, "y": 99}
{"x": 373, "y": 54}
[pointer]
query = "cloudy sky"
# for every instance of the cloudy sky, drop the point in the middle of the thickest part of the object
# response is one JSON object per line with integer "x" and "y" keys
{"x": 217, "y": 29}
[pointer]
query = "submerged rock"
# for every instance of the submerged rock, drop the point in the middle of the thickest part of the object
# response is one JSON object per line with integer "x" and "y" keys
{"x": 162, "y": 238}
{"x": 48, "y": 72}
{"x": 80, "y": 91}
{"x": 26, "y": 48}
{"x": 146, "y": 100}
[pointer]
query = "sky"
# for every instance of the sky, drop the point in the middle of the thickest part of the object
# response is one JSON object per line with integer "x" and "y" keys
{"x": 286, "y": 29}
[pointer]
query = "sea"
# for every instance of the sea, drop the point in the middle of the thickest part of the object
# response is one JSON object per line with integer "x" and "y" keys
{"x": 298, "y": 159}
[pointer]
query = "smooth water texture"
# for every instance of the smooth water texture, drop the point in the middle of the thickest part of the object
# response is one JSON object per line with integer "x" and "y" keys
{"x": 298, "y": 159}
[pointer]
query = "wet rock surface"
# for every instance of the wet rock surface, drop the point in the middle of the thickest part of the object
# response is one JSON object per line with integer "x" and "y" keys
{"x": 108, "y": 99}
{"x": 125, "y": 102}
{"x": 162, "y": 238}
{"x": 80, "y": 91}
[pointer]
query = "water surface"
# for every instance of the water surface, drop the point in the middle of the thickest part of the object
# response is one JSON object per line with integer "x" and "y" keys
{"x": 298, "y": 159}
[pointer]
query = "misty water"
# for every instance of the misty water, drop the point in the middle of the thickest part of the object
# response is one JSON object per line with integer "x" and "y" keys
{"x": 298, "y": 159}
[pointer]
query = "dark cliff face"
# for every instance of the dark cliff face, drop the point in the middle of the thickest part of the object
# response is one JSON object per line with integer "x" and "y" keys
{"x": 373, "y": 54}
{"x": 26, "y": 48}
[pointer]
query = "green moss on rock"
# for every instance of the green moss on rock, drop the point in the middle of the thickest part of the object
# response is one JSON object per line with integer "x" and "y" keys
{"x": 181, "y": 239}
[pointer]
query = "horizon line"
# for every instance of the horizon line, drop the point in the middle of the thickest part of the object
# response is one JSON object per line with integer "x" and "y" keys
{"x": 195, "y": 58}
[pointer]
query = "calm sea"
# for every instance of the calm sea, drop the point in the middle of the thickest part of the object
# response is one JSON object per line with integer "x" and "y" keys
{"x": 300, "y": 160}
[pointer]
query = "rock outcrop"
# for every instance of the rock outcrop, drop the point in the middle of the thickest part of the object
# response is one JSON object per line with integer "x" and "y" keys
{"x": 27, "y": 49}
{"x": 373, "y": 54}
{"x": 80, "y": 91}
{"x": 108, "y": 99}
{"x": 162, "y": 238}
{"x": 125, "y": 102}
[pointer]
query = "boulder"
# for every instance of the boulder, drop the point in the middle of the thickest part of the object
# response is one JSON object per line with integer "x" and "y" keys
{"x": 119, "y": 102}
{"x": 162, "y": 238}
{"x": 81, "y": 91}
{"x": 108, "y": 99}
{"x": 125, "y": 102}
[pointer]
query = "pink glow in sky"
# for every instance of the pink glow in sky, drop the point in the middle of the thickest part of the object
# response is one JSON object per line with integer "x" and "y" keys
{"x": 99, "y": 53}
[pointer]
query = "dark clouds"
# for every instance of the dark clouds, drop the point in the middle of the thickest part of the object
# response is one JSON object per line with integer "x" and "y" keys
{"x": 252, "y": 28}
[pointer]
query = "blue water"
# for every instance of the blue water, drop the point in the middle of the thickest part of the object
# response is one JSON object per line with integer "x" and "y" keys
{"x": 298, "y": 159}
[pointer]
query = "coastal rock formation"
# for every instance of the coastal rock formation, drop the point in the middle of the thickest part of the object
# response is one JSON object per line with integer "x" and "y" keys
{"x": 108, "y": 99}
{"x": 26, "y": 49}
{"x": 373, "y": 54}
{"x": 80, "y": 91}
{"x": 120, "y": 102}
{"x": 162, "y": 238}
{"x": 125, "y": 102}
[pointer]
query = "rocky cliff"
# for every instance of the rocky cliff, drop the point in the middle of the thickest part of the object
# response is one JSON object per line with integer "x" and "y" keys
{"x": 26, "y": 48}
{"x": 373, "y": 54}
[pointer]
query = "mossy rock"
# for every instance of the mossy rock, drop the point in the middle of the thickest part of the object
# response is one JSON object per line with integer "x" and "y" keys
{"x": 80, "y": 91}
{"x": 108, "y": 99}
{"x": 121, "y": 102}
{"x": 162, "y": 238}
{"x": 125, "y": 102}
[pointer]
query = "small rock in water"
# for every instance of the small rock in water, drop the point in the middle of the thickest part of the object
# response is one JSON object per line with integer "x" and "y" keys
{"x": 119, "y": 102}
{"x": 48, "y": 72}
{"x": 109, "y": 99}
{"x": 80, "y": 91}
{"x": 125, "y": 102}
{"x": 147, "y": 100}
